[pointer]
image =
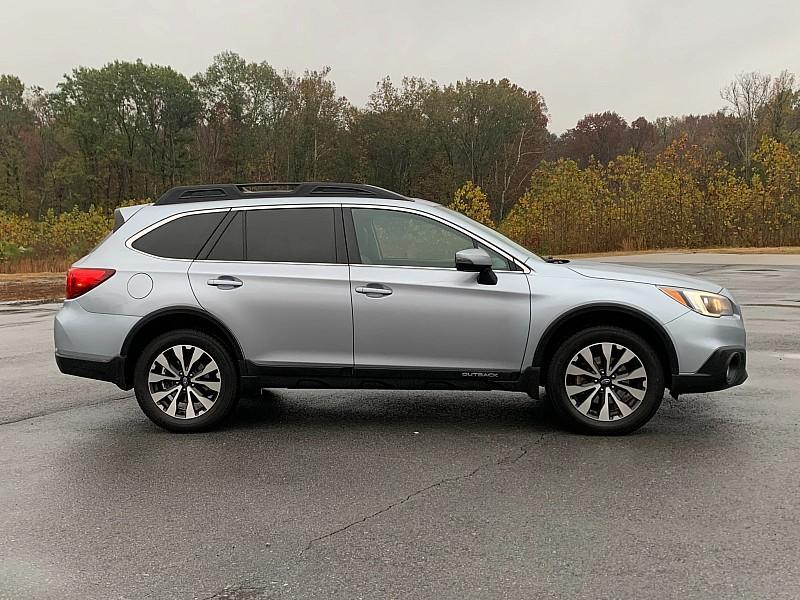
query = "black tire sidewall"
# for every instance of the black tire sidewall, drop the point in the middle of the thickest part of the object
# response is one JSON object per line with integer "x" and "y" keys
{"x": 557, "y": 393}
{"x": 225, "y": 402}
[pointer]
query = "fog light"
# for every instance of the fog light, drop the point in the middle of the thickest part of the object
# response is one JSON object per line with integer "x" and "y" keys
{"x": 733, "y": 368}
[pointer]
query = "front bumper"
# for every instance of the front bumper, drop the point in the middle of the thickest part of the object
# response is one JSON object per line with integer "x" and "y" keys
{"x": 725, "y": 368}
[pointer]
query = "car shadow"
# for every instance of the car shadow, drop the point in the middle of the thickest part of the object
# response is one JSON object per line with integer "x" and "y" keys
{"x": 378, "y": 408}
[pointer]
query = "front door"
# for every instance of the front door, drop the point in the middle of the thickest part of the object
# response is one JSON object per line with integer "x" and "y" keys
{"x": 412, "y": 310}
{"x": 275, "y": 279}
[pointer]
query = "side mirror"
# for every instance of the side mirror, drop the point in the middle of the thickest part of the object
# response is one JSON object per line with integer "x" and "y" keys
{"x": 475, "y": 260}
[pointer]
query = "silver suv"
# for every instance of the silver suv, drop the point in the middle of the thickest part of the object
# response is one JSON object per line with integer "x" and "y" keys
{"x": 216, "y": 291}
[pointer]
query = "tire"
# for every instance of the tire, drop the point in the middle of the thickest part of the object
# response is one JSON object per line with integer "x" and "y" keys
{"x": 211, "y": 381}
{"x": 621, "y": 398}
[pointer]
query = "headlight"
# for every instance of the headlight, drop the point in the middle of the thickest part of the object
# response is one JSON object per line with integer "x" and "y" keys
{"x": 705, "y": 303}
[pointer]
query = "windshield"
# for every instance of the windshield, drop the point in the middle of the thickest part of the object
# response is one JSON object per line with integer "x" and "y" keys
{"x": 493, "y": 235}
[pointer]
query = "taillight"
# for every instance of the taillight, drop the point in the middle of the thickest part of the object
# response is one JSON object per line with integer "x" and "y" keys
{"x": 80, "y": 281}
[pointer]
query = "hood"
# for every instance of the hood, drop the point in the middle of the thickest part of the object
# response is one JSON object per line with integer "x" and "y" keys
{"x": 599, "y": 270}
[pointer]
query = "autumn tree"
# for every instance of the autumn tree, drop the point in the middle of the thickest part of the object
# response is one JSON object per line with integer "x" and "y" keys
{"x": 602, "y": 136}
{"x": 470, "y": 200}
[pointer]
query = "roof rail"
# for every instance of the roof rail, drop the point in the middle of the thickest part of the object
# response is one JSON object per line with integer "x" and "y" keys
{"x": 238, "y": 191}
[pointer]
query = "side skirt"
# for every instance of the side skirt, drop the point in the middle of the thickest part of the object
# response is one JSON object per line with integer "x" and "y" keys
{"x": 257, "y": 376}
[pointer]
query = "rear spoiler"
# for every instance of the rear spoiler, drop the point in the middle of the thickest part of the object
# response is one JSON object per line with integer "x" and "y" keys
{"x": 124, "y": 213}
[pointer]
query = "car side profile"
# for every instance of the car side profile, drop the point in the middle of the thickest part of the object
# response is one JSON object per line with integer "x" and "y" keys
{"x": 216, "y": 291}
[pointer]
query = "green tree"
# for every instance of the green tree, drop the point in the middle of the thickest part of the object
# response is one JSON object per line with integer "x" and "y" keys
{"x": 14, "y": 118}
{"x": 395, "y": 148}
{"x": 491, "y": 132}
{"x": 132, "y": 126}
{"x": 244, "y": 128}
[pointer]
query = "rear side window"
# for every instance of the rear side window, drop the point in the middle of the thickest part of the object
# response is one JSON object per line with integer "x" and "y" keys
{"x": 303, "y": 235}
{"x": 230, "y": 245}
{"x": 180, "y": 238}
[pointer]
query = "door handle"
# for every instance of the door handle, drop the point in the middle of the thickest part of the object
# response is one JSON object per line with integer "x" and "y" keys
{"x": 226, "y": 282}
{"x": 374, "y": 290}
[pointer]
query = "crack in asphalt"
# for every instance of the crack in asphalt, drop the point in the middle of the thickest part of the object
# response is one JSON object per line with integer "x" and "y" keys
{"x": 66, "y": 409}
{"x": 506, "y": 460}
{"x": 239, "y": 593}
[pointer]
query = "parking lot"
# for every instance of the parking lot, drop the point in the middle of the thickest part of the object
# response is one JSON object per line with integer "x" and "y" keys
{"x": 364, "y": 494}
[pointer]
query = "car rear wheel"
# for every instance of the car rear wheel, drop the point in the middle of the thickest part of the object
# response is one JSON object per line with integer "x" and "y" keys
{"x": 605, "y": 380}
{"x": 186, "y": 381}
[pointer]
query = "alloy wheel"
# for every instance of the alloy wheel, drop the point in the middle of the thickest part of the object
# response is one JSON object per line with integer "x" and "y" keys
{"x": 606, "y": 381}
{"x": 184, "y": 381}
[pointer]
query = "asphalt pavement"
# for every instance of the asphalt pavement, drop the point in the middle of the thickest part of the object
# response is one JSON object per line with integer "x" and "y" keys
{"x": 376, "y": 494}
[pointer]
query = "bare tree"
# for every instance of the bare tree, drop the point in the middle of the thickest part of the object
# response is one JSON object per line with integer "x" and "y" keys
{"x": 748, "y": 95}
{"x": 781, "y": 103}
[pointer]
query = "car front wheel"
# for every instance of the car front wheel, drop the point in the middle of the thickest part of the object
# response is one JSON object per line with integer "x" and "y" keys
{"x": 605, "y": 380}
{"x": 186, "y": 381}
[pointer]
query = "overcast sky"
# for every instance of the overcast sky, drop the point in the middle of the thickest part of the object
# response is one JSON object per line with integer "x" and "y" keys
{"x": 645, "y": 57}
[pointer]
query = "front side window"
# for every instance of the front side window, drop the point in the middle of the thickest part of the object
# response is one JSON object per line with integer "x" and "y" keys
{"x": 180, "y": 238}
{"x": 302, "y": 235}
{"x": 396, "y": 238}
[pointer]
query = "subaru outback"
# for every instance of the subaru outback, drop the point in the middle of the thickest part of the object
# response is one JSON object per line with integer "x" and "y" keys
{"x": 216, "y": 291}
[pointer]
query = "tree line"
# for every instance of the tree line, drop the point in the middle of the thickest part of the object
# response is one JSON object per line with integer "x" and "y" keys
{"x": 130, "y": 130}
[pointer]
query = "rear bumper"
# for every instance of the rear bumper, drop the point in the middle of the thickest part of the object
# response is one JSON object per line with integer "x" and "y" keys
{"x": 725, "y": 368}
{"x": 112, "y": 370}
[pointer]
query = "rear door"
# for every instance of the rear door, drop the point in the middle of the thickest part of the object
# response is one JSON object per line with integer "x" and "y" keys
{"x": 412, "y": 310}
{"x": 278, "y": 278}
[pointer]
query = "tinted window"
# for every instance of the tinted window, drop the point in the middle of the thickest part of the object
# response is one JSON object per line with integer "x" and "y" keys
{"x": 230, "y": 245}
{"x": 180, "y": 238}
{"x": 291, "y": 235}
{"x": 387, "y": 237}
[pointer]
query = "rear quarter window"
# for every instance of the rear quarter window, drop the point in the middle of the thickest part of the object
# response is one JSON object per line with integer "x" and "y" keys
{"x": 183, "y": 237}
{"x": 302, "y": 235}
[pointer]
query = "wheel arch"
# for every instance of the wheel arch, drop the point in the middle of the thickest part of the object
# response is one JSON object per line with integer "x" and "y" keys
{"x": 169, "y": 319}
{"x": 619, "y": 315}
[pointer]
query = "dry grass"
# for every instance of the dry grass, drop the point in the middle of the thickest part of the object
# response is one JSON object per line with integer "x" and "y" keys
{"x": 51, "y": 264}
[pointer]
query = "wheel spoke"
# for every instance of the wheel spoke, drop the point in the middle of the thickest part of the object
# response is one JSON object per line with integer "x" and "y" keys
{"x": 573, "y": 390}
{"x": 202, "y": 399}
{"x": 587, "y": 402}
{"x": 189, "y": 406}
{"x": 157, "y": 378}
{"x": 626, "y": 357}
{"x": 604, "y": 416}
{"x": 159, "y": 396}
{"x": 209, "y": 368}
{"x": 586, "y": 353}
{"x": 212, "y": 385}
{"x": 178, "y": 352}
{"x": 173, "y": 406}
{"x": 624, "y": 409}
{"x": 606, "y": 349}
{"x": 637, "y": 373}
{"x": 635, "y": 392}
{"x": 162, "y": 362}
{"x": 190, "y": 363}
